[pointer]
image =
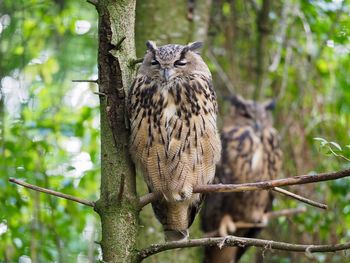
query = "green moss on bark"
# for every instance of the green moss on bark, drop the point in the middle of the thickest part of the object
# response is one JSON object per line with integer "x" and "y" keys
{"x": 118, "y": 201}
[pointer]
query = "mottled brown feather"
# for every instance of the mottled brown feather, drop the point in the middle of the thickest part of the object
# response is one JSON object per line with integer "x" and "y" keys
{"x": 174, "y": 139}
{"x": 250, "y": 153}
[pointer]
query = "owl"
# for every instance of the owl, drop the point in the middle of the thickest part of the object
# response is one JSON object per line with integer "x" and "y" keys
{"x": 250, "y": 153}
{"x": 174, "y": 139}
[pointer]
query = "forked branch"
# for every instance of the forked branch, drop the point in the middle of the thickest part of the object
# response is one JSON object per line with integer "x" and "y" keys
{"x": 230, "y": 241}
{"x": 51, "y": 192}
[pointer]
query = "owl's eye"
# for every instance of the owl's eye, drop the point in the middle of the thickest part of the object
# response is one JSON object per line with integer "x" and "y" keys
{"x": 180, "y": 63}
{"x": 246, "y": 114}
{"x": 154, "y": 62}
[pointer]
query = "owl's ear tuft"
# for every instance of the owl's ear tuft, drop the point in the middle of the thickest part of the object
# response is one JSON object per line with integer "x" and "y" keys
{"x": 236, "y": 101}
{"x": 151, "y": 46}
{"x": 270, "y": 105}
{"x": 195, "y": 45}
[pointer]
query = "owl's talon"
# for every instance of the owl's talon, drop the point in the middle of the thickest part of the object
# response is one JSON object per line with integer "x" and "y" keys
{"x": 227, "y": 226}
{"x": 265, "y": 220}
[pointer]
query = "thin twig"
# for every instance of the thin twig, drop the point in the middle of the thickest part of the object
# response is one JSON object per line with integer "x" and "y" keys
{"x": 135, "y": 61}
{"x": 241, "y": 242}
{"x": 93, "y": 2}
{"x": 300, "y": 198}
{"x": 51, "y": 192}
{"x": 286, "y": 212}
{"x": 100, "y": 93}
{"x": 265, "y": 185}
{"x": 85, "y": 80}
{"x": 148, "y": 198}
{"x": 120, "y": 42}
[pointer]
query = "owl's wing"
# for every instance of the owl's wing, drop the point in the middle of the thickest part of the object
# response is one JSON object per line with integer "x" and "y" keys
{"x": 271, "y": 142}
{"x": 147, "y": 140}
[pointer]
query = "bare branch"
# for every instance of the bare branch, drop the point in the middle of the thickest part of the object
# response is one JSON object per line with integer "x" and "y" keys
{"x": 85, "y": 80}
{"x": 93, "y": 2}
{"x": 135, "y": 61}
{"x": 265, "y": 185}
{"x": 229, "y": 241}
{"x": 300, "y": 198}
{"x": 120, "y": 42}
{"x": 148, "y": 198}
{"x": 285, "y": 212}
{"x": 100, "y": 93}
{"x": 51, "y": 192}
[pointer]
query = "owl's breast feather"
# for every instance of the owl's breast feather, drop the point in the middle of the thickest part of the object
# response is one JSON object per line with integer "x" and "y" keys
{"x": 169, "y": 111}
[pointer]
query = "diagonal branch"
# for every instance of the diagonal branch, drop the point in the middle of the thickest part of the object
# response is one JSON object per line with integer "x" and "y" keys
{"x": 300, "y": 198}
{"x": 229, "y": 241}
{"x": 93, "y": 2}
{"x": 51, "y": 192}
{"x": 265, "y": 185}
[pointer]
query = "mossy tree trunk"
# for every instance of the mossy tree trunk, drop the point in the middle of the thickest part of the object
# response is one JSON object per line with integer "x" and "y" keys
{"x": 117, "y": 205}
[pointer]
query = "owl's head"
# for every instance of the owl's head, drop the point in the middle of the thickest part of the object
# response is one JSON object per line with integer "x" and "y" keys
{"x": 251, "y": 113}
{"x": 169, "y": 62}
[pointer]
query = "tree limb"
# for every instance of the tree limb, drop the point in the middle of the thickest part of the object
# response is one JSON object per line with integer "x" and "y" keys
{"x": 51, "y": 192}
{"x": 85, "y": 80}
{"x": 300, "y": 198}
{"x": 265, "y": 185}
{"x": 241, "y": 242}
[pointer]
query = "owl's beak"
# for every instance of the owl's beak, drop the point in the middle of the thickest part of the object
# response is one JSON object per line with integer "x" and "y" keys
{"x": 166, "y": 74}
{"x": 257, "y": 126}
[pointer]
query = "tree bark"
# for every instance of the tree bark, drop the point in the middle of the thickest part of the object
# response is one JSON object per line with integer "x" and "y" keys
{"x": 117, "y": 205}
{"x": 263, "y": 30}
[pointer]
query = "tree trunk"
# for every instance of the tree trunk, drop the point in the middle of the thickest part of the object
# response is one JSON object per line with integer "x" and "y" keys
{"x": 117, "y": 205}
{"x": 171, "y": 22}
{"x": 263, "y": 31}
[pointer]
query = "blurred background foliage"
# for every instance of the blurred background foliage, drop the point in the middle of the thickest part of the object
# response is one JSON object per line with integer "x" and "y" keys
{"x": 296, "y": 51}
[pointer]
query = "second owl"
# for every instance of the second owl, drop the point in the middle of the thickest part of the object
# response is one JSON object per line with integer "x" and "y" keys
{"x": 251, "y": 153}
{"x": 174, "y": 139}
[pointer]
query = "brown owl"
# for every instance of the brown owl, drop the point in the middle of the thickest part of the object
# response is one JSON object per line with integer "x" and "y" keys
{"x": 174, "y": 139}
{"x": 250, "y": 153}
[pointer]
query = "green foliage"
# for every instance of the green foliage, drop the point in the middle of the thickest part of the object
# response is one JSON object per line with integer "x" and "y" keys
{"x": 333, "y": 148}
{"x": 49, "y": 126}
{"x": 50, "y": 134}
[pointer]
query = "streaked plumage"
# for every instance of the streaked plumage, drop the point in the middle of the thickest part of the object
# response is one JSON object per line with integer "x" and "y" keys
{"x": 250, "y": 153}
{"x": 174, "y": 139}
